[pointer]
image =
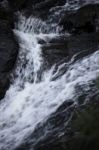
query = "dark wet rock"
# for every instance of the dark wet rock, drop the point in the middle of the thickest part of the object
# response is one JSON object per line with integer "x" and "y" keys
{"x": 86, "y": 43}
{"x": 65, "y": 139}
{"x": 85, "y": 128}
{"x": 84, "y": 20}
{"x": 8, "y": 45}
{"x": 4, "y": 4}
{"x": 47, "y": 4}
{"x": 17, "y": 4}
{"x": 44, "y": 8}
{"x": 8, "y": 54}
{"x": 59, "y": 131}
{"x": 83, "y": 133}
{"x": 6, "y": 14}
{"x": 41, "y": 41}
{"x": 64, "y": 48}
{"x": 35, "y": 7}
{"x": 55, "y": 52}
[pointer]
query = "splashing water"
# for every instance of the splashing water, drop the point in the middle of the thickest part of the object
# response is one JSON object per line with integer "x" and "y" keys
{"x": 28, "y": 102}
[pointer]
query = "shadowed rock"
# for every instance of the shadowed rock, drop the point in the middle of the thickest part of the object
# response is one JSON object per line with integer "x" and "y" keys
{"x": 8, "y": 47}
{"x": 64, "y": 48}
{"x": 84, "y": 20}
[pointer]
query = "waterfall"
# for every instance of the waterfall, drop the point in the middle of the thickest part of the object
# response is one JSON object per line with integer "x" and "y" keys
{"x": 30, "y": 101}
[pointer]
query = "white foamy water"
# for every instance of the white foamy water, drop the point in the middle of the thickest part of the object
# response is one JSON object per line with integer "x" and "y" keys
{"x": 28, "y": 102}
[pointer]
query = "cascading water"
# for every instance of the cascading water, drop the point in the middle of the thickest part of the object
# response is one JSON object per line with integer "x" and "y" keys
{"x": 30, "y": 101}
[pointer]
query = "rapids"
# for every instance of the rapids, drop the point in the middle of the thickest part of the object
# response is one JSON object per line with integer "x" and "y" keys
{"x": 30, "y": 101}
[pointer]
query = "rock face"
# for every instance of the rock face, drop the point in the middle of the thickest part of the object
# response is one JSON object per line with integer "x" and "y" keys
{"x": 84, "y": 20}
{"x": 16, "y": 4}
{"x": 83, "y": 27}
{"x": 8, "y": 47}
{"x": 63, "y": 48}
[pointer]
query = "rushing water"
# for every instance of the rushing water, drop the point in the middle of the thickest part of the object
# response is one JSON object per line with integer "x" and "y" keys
{"x": 29, "y": 101}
